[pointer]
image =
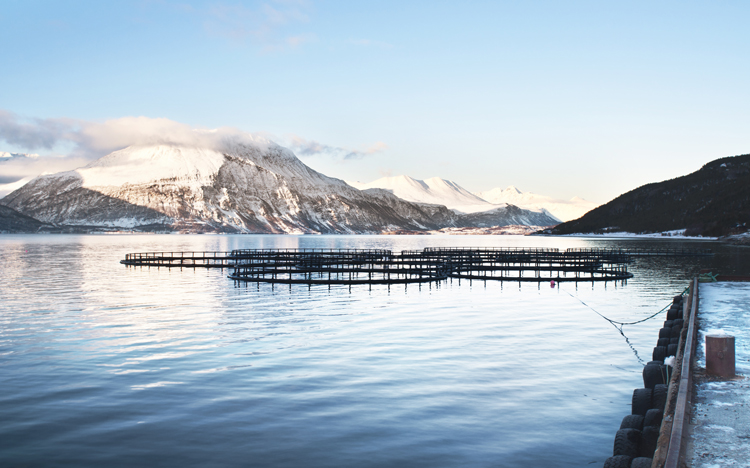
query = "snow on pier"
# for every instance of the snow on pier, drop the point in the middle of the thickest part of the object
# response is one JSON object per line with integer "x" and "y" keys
{"x": 721, "y": 407}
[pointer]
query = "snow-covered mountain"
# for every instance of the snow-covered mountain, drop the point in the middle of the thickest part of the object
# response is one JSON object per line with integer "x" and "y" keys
{"x": 254, "y": 186}
{"x": 249, "y": 187}
{"x": 436, "y": 191}
{"x": 565, "y": 210}
{"x": 474, "y": 211}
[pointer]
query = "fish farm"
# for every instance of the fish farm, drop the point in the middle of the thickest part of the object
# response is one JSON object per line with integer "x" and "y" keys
{"x": 374, "y": 266}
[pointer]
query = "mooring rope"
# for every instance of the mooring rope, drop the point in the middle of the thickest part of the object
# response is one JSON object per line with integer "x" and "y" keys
{"x": 618, "y": 325}
{"x": 615, "y": 322}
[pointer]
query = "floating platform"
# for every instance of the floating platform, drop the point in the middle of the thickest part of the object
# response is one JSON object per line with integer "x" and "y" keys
{"x": 180, "y": 259}
{"x": 376, "y": 266}
{"x": 345, "y": 266}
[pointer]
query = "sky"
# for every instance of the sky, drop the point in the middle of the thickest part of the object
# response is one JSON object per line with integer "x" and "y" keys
{"x": 574, "y": 98}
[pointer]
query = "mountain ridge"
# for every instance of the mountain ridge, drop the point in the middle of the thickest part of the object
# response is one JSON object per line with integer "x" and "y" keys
{"x": 712, "y": 201}
{"x": 253, "y": 187}
{"x": 434, "y": 191}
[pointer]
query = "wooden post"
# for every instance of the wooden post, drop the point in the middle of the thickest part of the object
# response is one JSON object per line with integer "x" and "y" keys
{"x": 720, "y": 355}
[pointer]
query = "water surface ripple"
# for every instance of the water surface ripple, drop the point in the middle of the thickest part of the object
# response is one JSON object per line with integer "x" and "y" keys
{"x": 107, "y": 365}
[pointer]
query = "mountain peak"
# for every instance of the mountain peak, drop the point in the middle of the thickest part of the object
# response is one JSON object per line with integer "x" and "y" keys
{"x": 143, "y": 164}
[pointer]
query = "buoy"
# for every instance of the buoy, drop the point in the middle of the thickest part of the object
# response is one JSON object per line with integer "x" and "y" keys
{"x": 552, "y": 284}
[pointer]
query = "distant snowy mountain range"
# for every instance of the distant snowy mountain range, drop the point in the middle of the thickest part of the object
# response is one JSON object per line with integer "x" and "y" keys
{"x": 436, "y": 191}
{"x": 253, "y": 186}
{"x": 564, "y": 210}
{"x": 444, "y": 192}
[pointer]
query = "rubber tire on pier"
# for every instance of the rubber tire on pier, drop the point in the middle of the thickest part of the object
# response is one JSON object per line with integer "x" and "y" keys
{"x": 626, "y": 442}
{"x": 673, "y": 314}
{"x": 674, "y": 340}
{"x": 672, "y": 350}
{"x": 676, "y": 330}
{"x": 654, "y": 374}
{"x": 665, "y": 333}
{"x": 663, "y": 342}
{"x": 659, "y": 397}
{"x": 677, "y": 299}
{"x": 679, "y": 322}
{"x": 632, "y": 421}
{"x": 649, "y": 438}
{"x": 659, "y": 353}
{"x": 668, "y": 323}
{"x": 620, "y": 461}
{"x": 653, "y": 417}
{"x": 641, "y": 401}
{"x": 641, "y": 462}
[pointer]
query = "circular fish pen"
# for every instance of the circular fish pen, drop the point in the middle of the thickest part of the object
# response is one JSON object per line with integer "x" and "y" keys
{"x": 533, "y": 265}
{"x": 335, "y": 266}
{"x": 376, "y": 266}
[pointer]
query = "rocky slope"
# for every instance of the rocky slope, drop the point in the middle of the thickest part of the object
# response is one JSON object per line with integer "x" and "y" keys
{"x": 712, "y": 201}
{"x": 253, "y": 187}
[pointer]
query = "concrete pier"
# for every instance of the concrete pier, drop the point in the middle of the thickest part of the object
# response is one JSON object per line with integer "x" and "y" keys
{"x": 719, "y": 421}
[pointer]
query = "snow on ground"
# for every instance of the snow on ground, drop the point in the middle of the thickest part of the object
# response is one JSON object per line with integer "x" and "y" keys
{"x": 739, "y": 239}
{"x": 510, "y": 230}
{"x": 720, "y": 419}
{"x": 676, "y": 234}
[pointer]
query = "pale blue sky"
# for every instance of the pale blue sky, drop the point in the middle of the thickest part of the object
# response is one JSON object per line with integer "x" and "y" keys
{"x": 584, "y": 98}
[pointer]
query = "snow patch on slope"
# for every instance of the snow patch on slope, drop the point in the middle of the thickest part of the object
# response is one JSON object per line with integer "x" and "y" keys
{"x": 139, "y": 165}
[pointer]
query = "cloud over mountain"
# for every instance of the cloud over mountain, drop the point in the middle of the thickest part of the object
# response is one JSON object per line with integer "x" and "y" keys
{"x": 84, "y": 141}
{"x": 94, "y": 139}
{"x": 304, "y": 147}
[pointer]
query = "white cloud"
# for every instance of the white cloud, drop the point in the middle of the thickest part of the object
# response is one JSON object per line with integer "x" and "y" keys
{"x": 92, "y": 140}
{"x": 95, "y": 139}
{"x": 304, "y": 147}
{"x": 35, "y": 134}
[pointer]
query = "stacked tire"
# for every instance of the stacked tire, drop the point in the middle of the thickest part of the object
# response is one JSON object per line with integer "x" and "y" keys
{"x": 636, "y": 440}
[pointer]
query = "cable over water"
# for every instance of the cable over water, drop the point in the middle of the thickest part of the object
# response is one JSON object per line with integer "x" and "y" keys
{"x": 619, "y": 325}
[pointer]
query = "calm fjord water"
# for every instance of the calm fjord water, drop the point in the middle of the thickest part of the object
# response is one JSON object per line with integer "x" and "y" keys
{"x": 107, "y": 365}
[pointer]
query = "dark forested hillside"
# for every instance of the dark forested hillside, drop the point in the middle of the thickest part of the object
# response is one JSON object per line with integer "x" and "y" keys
{"x": 712, "y": 201}
{"x": 13, "y": 221}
